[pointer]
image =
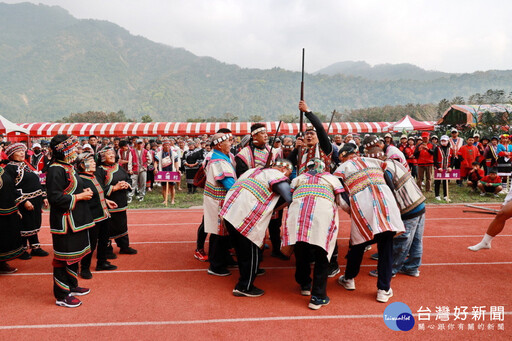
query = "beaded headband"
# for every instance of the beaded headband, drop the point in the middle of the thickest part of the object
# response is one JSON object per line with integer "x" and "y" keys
{"x": 104, "y": 151}
{"x": 316, "y": 164}
{"x": 377, "y": 155}
{"x": 220, "y": 139}
{"x": 68, "y": 148}
{"x": 15, "y": 147}
{"x": 371, "y": 141}
{"x": 258, "y": 130}
{"x": 84, "y": 159}
{"x": 310, "y": 127}
{"x": 284, "y": 164}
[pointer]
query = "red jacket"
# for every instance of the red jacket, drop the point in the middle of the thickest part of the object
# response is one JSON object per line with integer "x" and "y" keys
{"x": 425, "y": 156}
{"x": 469, "y": 154}
{"x": 135, "y": 160}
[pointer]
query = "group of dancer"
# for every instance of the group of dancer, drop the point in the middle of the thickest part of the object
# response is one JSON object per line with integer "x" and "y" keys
{"x": 87, "y": 209}
{"x": 244, "y": 193}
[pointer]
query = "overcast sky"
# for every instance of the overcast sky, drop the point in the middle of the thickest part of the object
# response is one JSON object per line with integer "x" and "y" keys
{"x": 443, "y": 35}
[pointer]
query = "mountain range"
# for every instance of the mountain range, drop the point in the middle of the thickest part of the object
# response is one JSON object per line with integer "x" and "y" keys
{"x": 52, "y": 65}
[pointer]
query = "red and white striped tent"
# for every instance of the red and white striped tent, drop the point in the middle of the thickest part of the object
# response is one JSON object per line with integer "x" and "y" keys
{"x": 48, "y": 129}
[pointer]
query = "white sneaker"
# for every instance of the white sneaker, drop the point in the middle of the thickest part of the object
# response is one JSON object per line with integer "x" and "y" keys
{"x": 482, "y": 194}
{"x": 480, "y": 246}
{"x": 447, "y": 199}
{"x": 438, "y": 198}
{"x": 384, "y": 296}
{"x": 348, "y": 284}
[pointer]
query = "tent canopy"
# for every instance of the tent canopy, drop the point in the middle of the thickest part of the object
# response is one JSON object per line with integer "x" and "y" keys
{"x": 185, "y": 128}
{"x": 409, "y": 124}
{"x": 7, "y": 127}
{"x": 471, "y": 114}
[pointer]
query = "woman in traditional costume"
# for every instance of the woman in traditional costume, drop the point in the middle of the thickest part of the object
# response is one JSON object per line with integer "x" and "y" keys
{"x": 70, "y": 220}
{"x": 10, "y": 223}
{"x": 31, "y": 201}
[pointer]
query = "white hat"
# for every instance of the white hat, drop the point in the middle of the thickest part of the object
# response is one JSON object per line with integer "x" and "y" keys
{"x": 87, "y": 145}
{"x": 36, "y": 145}
{"x": 388, "y": 135}
{"x": 445, "y": 138}
{"x": 454, "y": 130}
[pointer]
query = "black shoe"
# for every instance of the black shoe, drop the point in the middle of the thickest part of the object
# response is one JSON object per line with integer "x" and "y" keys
{"x": 86, "y": 274}
{"x": 111, "y": 255}
{"x": 260, "y": 272}
{"x": 254, "y": 292}
{"x": 25, "y": 255}
{"x": 232, "y": 263}
{"x": 128, "y": 251}
{"x": 333, "y": 272}
{"x": 100, "y": 266}
{"x": 38, "y": 252}
{"x": 279, "y": 255}
{"x": 220, "y": 272}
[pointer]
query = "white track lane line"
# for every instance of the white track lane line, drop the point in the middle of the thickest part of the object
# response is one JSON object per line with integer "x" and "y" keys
{"x": 209, "y": 321}
{"x": 236, "y": 269}
{"x": 343, "y": 238}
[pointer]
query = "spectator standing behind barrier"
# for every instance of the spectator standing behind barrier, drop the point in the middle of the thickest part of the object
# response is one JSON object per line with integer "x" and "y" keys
{"x": 456, "y": 143}
{"x": 409, "y": 155}
{"x": 443, "y": 160}
{"x": 424, "y": 153}
{"x": 467, "y": 154}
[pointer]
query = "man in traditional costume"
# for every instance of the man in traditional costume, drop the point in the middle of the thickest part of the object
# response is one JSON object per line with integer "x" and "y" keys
{"x": 314, "y": 144}
{"x": 375, "y": 217}
{"x": 247, "y": 211}
{"x": 99, "y": 233}
{"x": 110, "y": 174}
{"x": 70, "y": 219}
{"x": 408, "y": 246}
{"x": 32, "y": 200}
{"x": 220, "y": 177}
{"x": 312, "y": 226}
{"x": 255, "y": 154}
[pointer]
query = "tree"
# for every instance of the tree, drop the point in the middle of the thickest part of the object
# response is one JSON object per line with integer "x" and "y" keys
{"x": 458, "y": 100}
{"x": 146, "y": 119}
{"x": 96, "y": 117}
{"x": 442, "y": 106}
{"x": 256, "y": 118}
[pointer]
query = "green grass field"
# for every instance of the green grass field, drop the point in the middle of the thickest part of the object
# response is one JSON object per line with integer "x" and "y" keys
{"x": 154, "y": 198}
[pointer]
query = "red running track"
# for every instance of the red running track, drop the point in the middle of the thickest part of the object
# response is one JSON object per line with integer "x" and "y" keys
{"x": 164, "y": 293}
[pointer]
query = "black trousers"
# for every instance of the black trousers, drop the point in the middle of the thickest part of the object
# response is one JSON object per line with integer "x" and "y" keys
{"x": 65, "y": 277}
{"x": 201, "y": 236}
{"x": 99, "y": 236}
{"x": 303, "y": 252}
{"x": 437, "y": 187}
{"x": 123, "y": 243}
{"x": 355, "y": 254}
{"x": 85, "y": 262}
{"x": 218, "y": 252}
{"x": 32, "y": 241}
{"x": 247, "y": 255}
{"x": 274, "y": 231}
